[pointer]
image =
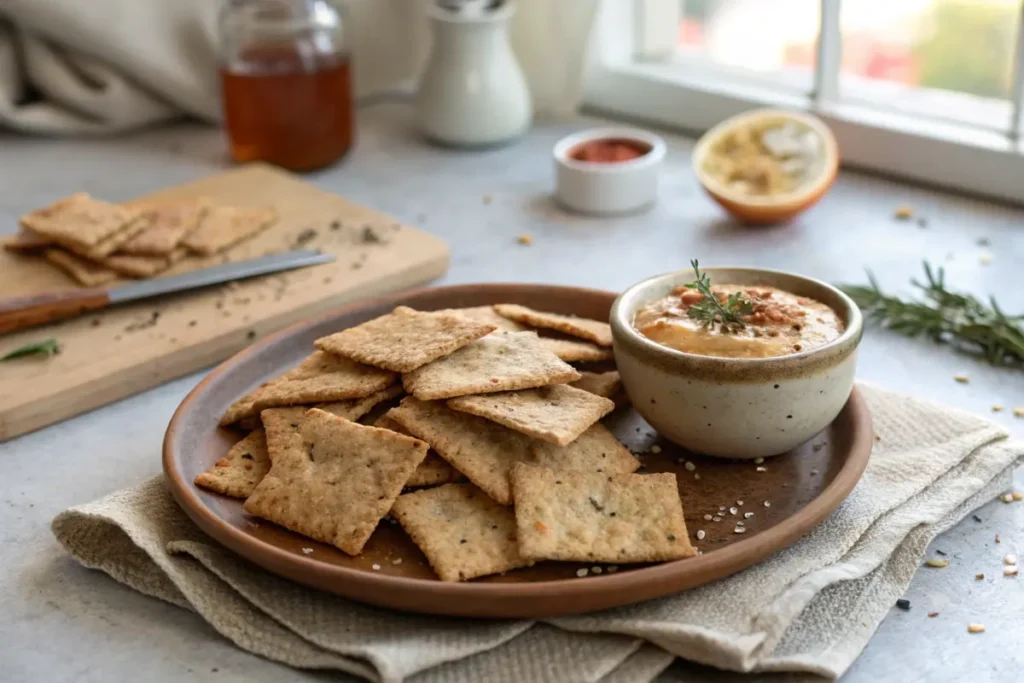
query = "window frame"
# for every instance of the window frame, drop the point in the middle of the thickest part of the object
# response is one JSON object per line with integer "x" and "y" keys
{"x": 631, "y": 74}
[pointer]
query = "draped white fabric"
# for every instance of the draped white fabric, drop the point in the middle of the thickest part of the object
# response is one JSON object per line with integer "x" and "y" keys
{"x": 69, "y": 67}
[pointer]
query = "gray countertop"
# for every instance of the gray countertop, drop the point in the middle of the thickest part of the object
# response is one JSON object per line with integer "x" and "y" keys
{"x": 60, "y": 622}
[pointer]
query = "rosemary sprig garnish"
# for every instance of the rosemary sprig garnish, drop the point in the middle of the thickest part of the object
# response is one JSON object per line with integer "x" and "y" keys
{"x": 48, "y": 347}
{"x": 960, "y": 320}
{"x": 710, "y": 310}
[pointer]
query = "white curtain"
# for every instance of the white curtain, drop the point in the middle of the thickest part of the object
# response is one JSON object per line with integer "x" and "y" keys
{"x": 80, "y": 67}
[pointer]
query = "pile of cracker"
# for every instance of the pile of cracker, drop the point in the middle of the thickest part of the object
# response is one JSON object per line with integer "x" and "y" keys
{"x": 495, "y": 457}
{"x": 95, "y": 242}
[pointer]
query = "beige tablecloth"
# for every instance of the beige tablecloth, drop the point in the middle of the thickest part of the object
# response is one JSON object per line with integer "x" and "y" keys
{"x": 810, "y": 608}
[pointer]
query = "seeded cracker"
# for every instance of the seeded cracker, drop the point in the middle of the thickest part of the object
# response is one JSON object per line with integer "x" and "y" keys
{"x": 499, "y": 362}
{"x": 327, "y": 378}
{"x": 432, "y": 471}
{"x": 487, "y": 314}
{"x": 238, "y": 472}
{"x": 480, "y": 449}
{"x": 589, "y": 517}
{"x": 167, "y": 224}
{"x": 225, "y": 226}
{"x": 572, "y": 351}
{"x": 337, "y": 480}
{"x": 143, "y": 266}
{"x": 463, "y": 533}
{"x": 596, "y": 450}
{"x": 84, "y": 272}
{"x": 404, "y": 339}
{"x": 87, "y": 226}
{"x": 606, "y": 384}
{"x": 26, "y": 240}
{"x": 592, "y": 330}
{"x": 557, "y": 414}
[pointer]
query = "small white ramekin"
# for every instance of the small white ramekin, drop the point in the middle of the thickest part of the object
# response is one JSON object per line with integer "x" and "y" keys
{"x": 608, "y": 188}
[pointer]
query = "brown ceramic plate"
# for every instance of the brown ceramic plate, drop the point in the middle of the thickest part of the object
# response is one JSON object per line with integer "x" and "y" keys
{"x": 802, "y": 486}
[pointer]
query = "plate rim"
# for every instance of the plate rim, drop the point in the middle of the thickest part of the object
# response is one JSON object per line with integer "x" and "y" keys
{"x": 502, "y": 600}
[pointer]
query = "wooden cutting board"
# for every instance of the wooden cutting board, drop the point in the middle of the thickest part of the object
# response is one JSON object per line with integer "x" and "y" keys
{"x": 119, "y": 352}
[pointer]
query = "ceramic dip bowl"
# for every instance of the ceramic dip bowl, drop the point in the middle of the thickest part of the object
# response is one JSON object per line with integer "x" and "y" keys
{"x": 736, "y": 407}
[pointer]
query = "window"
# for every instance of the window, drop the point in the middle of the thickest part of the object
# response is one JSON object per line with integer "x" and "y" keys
{"x": 930, "y": 90}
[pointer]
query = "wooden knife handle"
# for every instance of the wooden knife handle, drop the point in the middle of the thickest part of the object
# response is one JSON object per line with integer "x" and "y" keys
{"x": 29, "y": 311}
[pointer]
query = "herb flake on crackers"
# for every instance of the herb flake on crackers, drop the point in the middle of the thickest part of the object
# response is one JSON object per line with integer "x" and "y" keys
{"x": 592, "y": 330}
{"x": 238, "y": 472}
{"x": 405, "y": 339}
{"x": 337, "y": 480}
{"x": 463, "y": 533}
{"x": 590, "y": 517}
{"x": 557, "y": 414}
{"x": 504, "y": 361}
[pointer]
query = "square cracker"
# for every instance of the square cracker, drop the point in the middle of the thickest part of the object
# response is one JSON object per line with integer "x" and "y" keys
{"x": 238, "y": 472}
{"x": 590, "y": 517}
{"x": 503, "y": 361}
{"x": 606, "y": 384}
{"x": 322, "y": 378}
{"x": 87, "y": 226}
{"x": 487, "y": 314}
{"x": 596, "y": 450}
{"x": 573, "y": 351}
{"x": 336, "y": 480}
{"x": 432, "y": 471}
{"x": 26, "y": 240}
{"x": 463, "y": 533}
{"x": 592, "y": 330}
{"x": 84, "y": 271}
{"x": 557, "y": 414}
{"x": 226, "y": 226}
{"x": 405, "y": 339}
{"x": 134, "y": 265}
{"x": 480, "y": 449}
{"x": 167, "y": 224}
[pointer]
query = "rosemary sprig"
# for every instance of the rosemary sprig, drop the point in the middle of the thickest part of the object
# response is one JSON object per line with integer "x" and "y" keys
{"x": 710, "y": 310}
{"x": 48, "y": 347}
{"x": 960, "y": 320}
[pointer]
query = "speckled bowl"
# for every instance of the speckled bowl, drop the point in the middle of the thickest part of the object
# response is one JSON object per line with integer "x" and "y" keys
{"x": 736, "y": 407}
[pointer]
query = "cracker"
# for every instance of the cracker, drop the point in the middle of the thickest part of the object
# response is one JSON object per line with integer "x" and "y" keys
{"x": 238, "y": 472}
{"x": 323, "y": 378}
{"x": 226, "y": 226}
{"x": 592, "y": 330}
{"x": 134, "y": 265}
{"x": 505, "y": 361}
{"x": 84, "y": 271}
{"x": 606, "y": 384}
{"x": 26, "y": 240}
{"x": 167, "y": 224}
{"x": 336, "y": 480}
{"x": 595, "y": 450}
{"x": 404, "y": 339}
{"x": 487, "y": 314}
{"x": 482, "y": 450}
{"x": 463, "y": 533}
{"x": 557, "y": 414}
{"x": 87, "y": 226}
{"x": 432, "y": 471}
{"x": 590, "y": 517}
{"x": 572, "y": 351}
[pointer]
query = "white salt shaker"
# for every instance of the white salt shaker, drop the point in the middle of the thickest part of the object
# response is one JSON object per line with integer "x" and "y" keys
{"x": 473, "y": 93}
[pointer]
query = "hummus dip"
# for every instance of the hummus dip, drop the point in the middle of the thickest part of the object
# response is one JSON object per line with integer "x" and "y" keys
{"x": 780, "y": 323}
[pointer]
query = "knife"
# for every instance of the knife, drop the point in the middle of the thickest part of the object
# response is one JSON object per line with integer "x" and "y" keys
{"x": 28, "y": 311}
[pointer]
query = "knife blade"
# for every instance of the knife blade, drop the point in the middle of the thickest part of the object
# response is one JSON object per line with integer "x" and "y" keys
{"x": 28, "y": 311}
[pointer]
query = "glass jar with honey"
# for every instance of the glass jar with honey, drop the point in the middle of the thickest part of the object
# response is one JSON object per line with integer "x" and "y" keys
{"x": 286, "y": 82}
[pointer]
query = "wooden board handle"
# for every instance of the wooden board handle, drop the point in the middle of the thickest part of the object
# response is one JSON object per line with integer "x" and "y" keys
{"x": 29, "y": 311}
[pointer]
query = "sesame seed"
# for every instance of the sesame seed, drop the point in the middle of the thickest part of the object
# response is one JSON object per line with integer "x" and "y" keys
{"x": 762, "y": 469}
{"x": 655, "y": 448}
{"x": 596, "y": 570}
{"x": 733, "y": 511}
{"x": 612, "y": 569}
{"x": 748, "y": 515}
{"x": 700, "y": 534}
{"x": 975, "y": 628}
{"x": 739, "y": 530}
{"x": 1006, "y": 497}
{"x": 716, "y": 518}
{"x": 1010, "y": 571}
{"x": 1018, "y": 412}
{"x": 690, "y": 467}
{"x": 758, "y": 461}
{"x": 740, "y": 524}
{"x": 963, "y": 379}
{"x": 307, "y": 551}
{"x": 740, "y": 503}
{"x": 767, "y": 504}
{"x": 582, "y": 572}
{"x": 1010, "y": 559}
{"x": 938, "y": 564}
{"x": 707, "y": 518}
{"x": 397, "y": 560}
{"x": 376, "y": 567}
{"x": 997, "y": 408}
{"x": 721, "y": 508}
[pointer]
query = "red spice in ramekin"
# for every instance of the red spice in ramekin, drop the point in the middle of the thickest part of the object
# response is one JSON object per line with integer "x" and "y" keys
{"x": 609, "y": 150}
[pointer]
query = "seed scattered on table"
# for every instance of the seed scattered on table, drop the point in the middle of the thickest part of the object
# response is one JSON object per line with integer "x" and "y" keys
{"x": 740, "y": 503}
{"x": 739, "y": 530}
{"x": 979, "y": 577}
{"x": 307, "y": 551}
{"x": 767, "y": 504}
{"x": 963, "y": 379}
{"x": 397, "y": 560}
{"x": 612, "y": 569}
{"x": 721, "y": 508}
{"x": 525, "y": 240}
{"x": 762, "y": 469}
{"x": 904, "y": 213}
{"x": 716, "y": 518}
{"x": 939, "y": 564}
{"x": 696, "y": 476}
{"x": 1010, "y": 571}
{"x": 814, "y": 472}
{"x": 758, "y": 461}
{"x": 376, "y": 567}
{"x": 933, "y": 614}
{"x": 1018, "y": 412}
{"x": 582, "y": 572}
{"x": 997, "y": 408}
{"x": 748, "y": 515}
{"x": 1010, "y": 559}
{"x": 740, "y": 524}
{"x": 1017, "y": 495}
{"x": 997, "y": 538}
{"x": 655, "y": 448}
{"x": 708, "y": 518}
{"x": 690, "y": 467}
{"x": 733, "y": 511}
{"x": 903, "y": 604}
{"x": 700, "y": 534}
{"x": 975, "y": 628}
{"x": 596, "y": 570}
{"x": 1006, "y": 497}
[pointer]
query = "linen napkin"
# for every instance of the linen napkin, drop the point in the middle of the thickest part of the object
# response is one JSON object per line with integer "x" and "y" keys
{"x": 810, "y": 608}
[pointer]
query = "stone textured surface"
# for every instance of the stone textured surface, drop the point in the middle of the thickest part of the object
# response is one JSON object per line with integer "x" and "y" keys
{"x": 62, "y": 622}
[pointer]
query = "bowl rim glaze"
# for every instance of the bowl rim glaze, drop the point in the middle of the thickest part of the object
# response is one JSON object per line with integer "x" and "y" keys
{"x": 748, "y": 370}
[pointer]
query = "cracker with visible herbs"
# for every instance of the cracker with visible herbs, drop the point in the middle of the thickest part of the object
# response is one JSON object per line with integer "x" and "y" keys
{"x": 487, "y": 314}
{"x": 504, "y": 361}
{"x": 592, "y": 330}
{"x": 482, "y": 450}
{"x": 167, "y": 224}
{"x": 595, "y": 450}
{"x": 86, "y": 226}
{"x": 134, "y": 265}
{"x": 405, "y": 339}
{"x": 26, "y": 240}
{"x": 84, "y": 271}
{"x": 336, "y": 480}
{"x": 432, "y": 471}
{"x": 606, "y": 384}
{"x": 557, "y": 414}
{"x": 238, "y": 472}
{"x": 591, "y": 517}
{"x": 225, "y": 226}
{"x": 572, "y": 351}
{"x": 463, "y": 533}
{"x": 326, "y": 378}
